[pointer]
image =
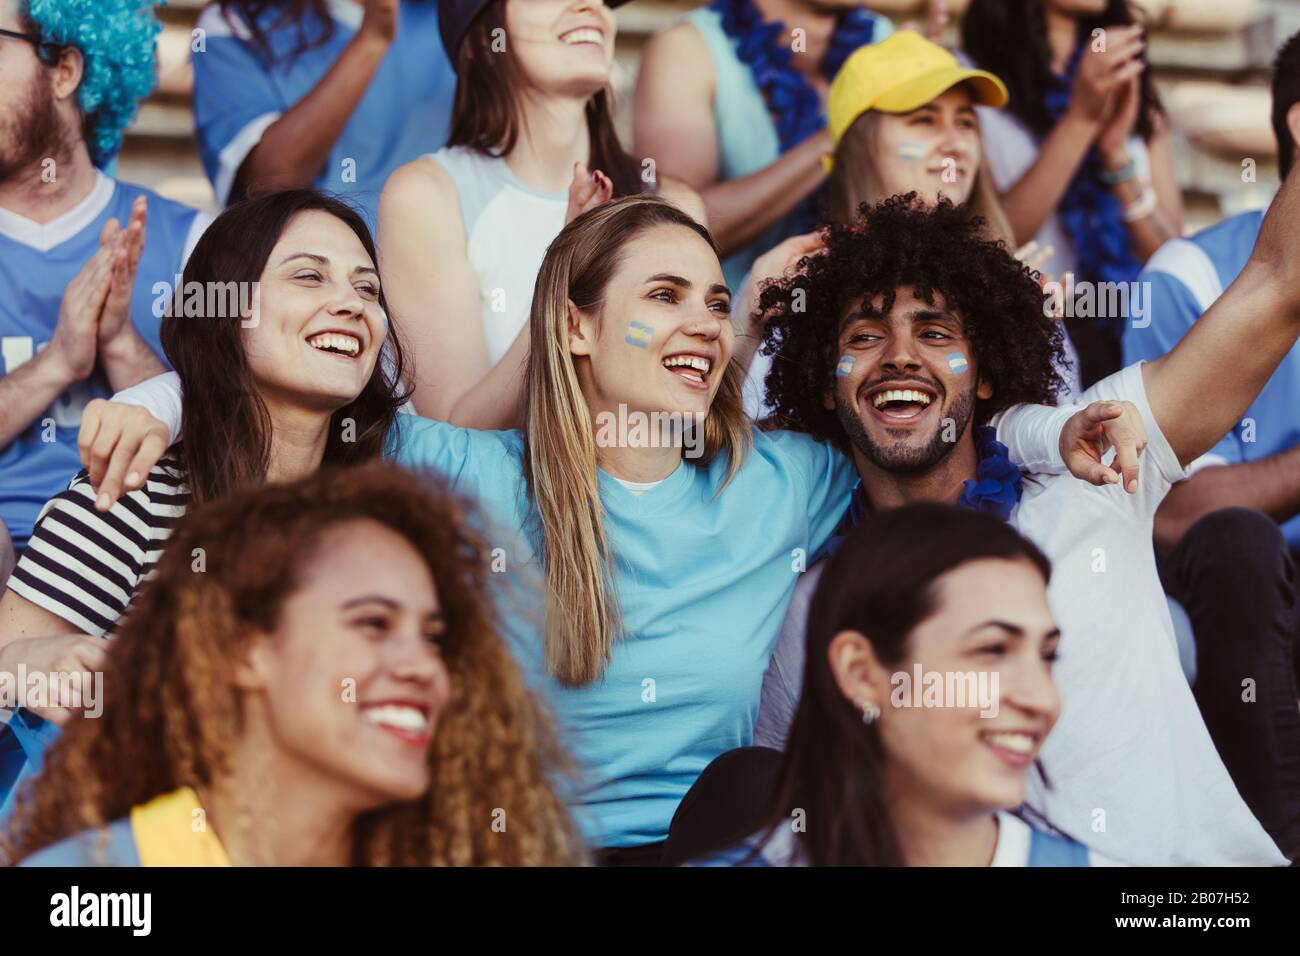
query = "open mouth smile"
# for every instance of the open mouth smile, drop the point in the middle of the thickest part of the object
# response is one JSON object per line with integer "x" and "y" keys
{"x": 899, "y": 405}
{"x": 407, "y": 722}
{"x": 1018, "y": 748}
{"x": 336, "y": 343}
{"x": 583, "y": 35}
{"x": 691, "y": 368}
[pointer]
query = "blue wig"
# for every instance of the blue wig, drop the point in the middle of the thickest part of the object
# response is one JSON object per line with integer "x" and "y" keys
{"x": 117, "y": 40}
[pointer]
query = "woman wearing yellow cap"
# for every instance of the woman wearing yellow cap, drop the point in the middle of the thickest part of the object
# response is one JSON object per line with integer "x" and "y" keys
{"x": 902, "y": 119}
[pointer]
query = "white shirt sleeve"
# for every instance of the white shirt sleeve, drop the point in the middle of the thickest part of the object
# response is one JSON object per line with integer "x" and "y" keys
{"x": 161, "y": 397}
{"x": 1032, "y": 434}
{"x": 1159, "y": 465}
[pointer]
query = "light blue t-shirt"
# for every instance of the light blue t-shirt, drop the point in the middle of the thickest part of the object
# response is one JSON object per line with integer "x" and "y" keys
{"x": 1185, "y": 277}
{"x": 37, "y": 262}
{"x": 703, "y": 579}
{"x": 404, "y": 113}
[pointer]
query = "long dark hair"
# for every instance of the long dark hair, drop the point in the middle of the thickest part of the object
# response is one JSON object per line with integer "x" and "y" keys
{"x": 485, "y": 113}
{"x": 1009, "y": 38}
{"x": 227, "y": 441}
{"x": 882, "y": 583}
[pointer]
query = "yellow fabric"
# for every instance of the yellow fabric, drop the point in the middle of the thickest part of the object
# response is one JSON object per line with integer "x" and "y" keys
{"x": 899, "y": 74}
{"x": 169, "y": 833}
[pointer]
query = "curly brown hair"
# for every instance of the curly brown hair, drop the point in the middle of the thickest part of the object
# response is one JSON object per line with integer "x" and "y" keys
{"x": 933, "y": 249}
{"x": 175, "y": 715}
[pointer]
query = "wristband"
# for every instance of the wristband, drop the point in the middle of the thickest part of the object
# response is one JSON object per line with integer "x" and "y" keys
{"x": 1141, "y": 207}
{"x": 1121, "y": 175}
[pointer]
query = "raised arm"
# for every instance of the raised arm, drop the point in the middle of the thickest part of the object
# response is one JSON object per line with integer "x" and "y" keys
{"x": 1102, "y": 77}
{"x": 434, "y": 293}
{"x": 293, "y": 149}
{"x": 776, "y": 263}
{"x": 1200, "y": 389}
{"x": 674, "y": 126}
{"x": 125, "y": 356}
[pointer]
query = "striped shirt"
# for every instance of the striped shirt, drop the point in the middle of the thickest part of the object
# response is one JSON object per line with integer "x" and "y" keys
{"x": 86, "y": 566}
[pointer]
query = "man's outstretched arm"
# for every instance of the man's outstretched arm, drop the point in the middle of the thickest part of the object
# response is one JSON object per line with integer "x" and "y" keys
{"x": 1200, "y": 389}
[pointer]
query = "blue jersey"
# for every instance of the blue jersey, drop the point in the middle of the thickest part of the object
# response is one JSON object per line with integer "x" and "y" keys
{"x": 404, "y": 113}
{"x": 1185, "y": 277}
{"x": 36, "y": 264}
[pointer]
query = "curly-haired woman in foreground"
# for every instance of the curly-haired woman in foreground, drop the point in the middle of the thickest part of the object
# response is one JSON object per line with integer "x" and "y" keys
{"x": 313, "y": 678}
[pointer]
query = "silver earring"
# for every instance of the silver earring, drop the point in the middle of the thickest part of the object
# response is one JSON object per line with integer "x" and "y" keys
{"x": 869, "y": 712}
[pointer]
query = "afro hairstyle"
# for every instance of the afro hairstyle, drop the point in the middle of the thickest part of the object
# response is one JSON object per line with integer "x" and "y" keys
{"x": 902, "y": 242}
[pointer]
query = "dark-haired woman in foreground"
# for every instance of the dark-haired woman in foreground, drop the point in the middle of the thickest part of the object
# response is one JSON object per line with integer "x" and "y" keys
{"x": 344, "y": 699}
{"x": 276, "y": 335}
{"x": 922, "y": 776}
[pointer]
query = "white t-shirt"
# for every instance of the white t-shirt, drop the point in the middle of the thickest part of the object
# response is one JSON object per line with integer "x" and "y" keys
{"x": 1134, "y": 773}
{"x": 637, "y": 487}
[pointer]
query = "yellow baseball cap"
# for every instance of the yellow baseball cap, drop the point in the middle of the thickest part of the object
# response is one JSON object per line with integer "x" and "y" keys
{"x": 899, "y": 74}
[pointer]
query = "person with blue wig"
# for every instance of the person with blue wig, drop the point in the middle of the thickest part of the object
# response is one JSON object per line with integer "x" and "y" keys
{"x": 334, "y": 94}
{"x": 82, "y": 255}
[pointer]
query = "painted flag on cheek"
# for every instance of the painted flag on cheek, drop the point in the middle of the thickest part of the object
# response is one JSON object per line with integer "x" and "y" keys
{"x": 639, "y": 334}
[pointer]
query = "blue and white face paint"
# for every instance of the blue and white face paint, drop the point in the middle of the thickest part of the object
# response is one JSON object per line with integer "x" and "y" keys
{"x": 957, "y": 362}
{"x": 912, "y": 152}
{"x": 845, "y": 366}
{"x": 639, "y": 334}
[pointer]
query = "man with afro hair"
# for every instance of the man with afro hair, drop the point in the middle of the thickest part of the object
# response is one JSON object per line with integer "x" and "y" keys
{"x": 899, "y": 342}
{"x": 80, "y": 252}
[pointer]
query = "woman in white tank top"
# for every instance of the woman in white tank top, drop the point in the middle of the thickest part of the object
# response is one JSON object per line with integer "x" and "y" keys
{"x": 463, "y": 231}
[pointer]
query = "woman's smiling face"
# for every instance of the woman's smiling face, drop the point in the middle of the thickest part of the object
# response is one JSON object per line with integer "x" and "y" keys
{"x": 964, "y": 712}
{"x": 562, "y": 47}
{"x": 933, "y": 150}
{"x": 317, "y": 328}
{"x": 352, "y": 681}
{"x": 662, "y": 337}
